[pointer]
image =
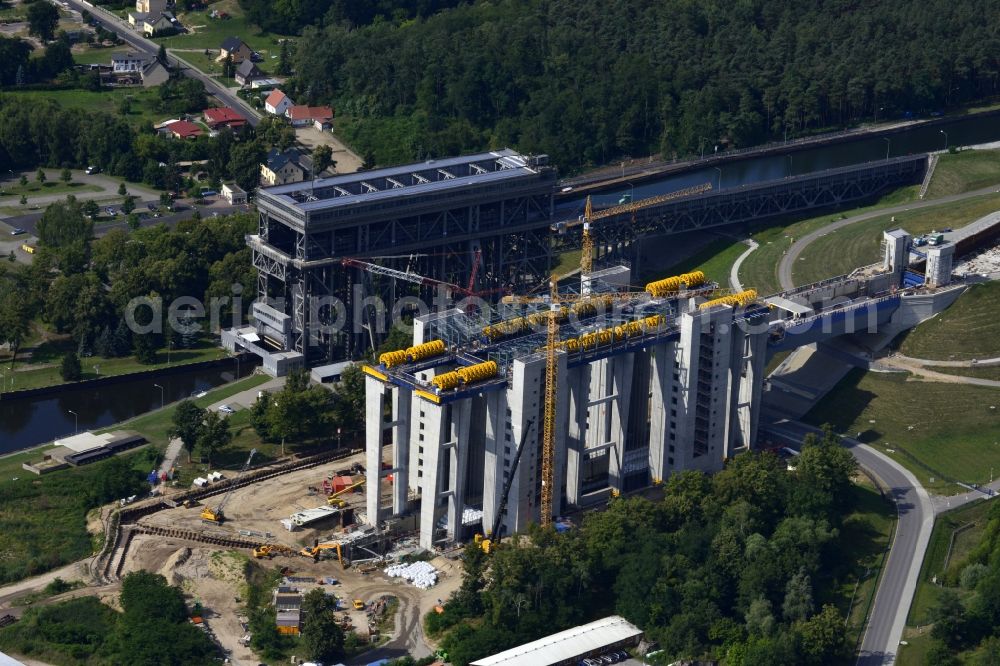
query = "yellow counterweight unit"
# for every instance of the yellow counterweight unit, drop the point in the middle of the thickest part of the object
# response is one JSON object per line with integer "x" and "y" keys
{"x": 671, "y": 285}
{"x": 742, "y": 299}
{"x": 392, "y": 359}
{"x": 467, "y": 375}
{"x": 425, "y": 351}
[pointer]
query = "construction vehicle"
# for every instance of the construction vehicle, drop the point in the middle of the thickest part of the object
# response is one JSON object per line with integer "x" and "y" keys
{"x": 492, "y": 538}
{"x": 217, "y": 515}
{"x": 318, "y": 549}
{"x": 270, "y": 550}
{"x": 334, "y": 498}
{"x": 359, "y": 605}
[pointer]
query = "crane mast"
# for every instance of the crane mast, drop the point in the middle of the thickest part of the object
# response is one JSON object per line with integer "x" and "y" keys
{"x": 549, "y": 418}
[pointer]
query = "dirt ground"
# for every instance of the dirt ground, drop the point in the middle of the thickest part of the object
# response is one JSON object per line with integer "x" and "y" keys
{"x": 214, "y": 577}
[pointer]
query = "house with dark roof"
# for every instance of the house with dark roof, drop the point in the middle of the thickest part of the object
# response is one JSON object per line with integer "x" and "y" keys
{"x": 235, "y": 48}
{"x": 281, "y": 167}
{"x": 247, "y": 72}
{"x": 217, "y": 118}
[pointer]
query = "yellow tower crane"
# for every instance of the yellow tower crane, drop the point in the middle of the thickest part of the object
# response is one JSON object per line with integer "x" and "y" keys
{"x": 589, "y": 217}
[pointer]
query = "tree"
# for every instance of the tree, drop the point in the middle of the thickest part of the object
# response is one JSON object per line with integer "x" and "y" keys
{"x": 71, "y": 370}
{"x": 15, "y": 316}
{"x": 349, "y": 403}
{"x": 128, "y": 204}
{"x": 165, "y": 200}
{"x": 66, "y": 176}
{"x": 322, "y": 158}
{"x": 798, "y": 604}
{"x": 161, "y": 55}
{"x": 43, "y": 18}
{"x": 121, "y": 189}
{"x": 40, "y": 176}
{"x": 23, "y": 180}
{"x": 144, "y": 347}
{"x": 284, "y": 62}
{"x": 322, "y": 637}
{"x": 24, "y": 200}
{"x": 133, "y": 221}
{"x": 824, "y": 637}
{"x": 188, "y": 423}
{"x": 90, "y": 208}
{"x": 949, "y": 618}
{"x": 214, "y": 435}
{"x": 759, "y": 620}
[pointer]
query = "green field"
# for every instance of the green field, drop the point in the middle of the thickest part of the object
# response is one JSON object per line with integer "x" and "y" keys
{"x": 859, "y": 244}
{"x": 991, "y": 372}
{"x": 936, "y": 430}
{"x": 715, "y": 260}
{"x": 96, "y": 55}
{"x": 11, "y": 189}
{"x": 964, "y": 171}
{"x": 107, "y": 101}
{"x": 155, "y": 425}
{"x": 760, "y": 270}
{"x": 866, "y": 533}
{"x": 43, "y": 367}
{"x": 969, "y": 329}
{"x": 209, "y": 33}
{"x": 935, "y": 565}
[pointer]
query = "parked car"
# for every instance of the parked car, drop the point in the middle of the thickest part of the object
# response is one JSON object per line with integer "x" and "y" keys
{"x": 92, "y": 170}
{"x": 17, "y": 231}
{"x": 226, "y": 409}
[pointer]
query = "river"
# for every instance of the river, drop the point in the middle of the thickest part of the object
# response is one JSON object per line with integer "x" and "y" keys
{"x": 962, "y": 131}
{"x": 31, "y": 420}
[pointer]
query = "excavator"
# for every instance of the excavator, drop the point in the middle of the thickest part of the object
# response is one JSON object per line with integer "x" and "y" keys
{"x": 217, "y": 515}
{"x": 270, "y": 550}
{"x": 335, "y": 500}
{"x": 318, "y": 548}
{"x": 491, "y": 540}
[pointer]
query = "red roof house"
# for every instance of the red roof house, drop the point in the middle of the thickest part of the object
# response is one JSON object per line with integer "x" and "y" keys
{"x": 307, "y": 115}
{"x": 223, "y": 117}
{"x": 182, "y": 129}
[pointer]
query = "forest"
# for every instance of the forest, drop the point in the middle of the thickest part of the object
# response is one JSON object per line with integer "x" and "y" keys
{"x": 737, "y": 566}
{"x": 966, "y": 614}
{"x": 153, "y": 628}
{"x": 591, "y": 81}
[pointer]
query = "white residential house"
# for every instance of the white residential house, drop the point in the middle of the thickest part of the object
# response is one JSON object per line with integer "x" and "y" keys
{"x": 234, "y": 194}
{"x": 145, "y": 9}
{"x": 277, "y": 103}
{"x": 128, "y": 62}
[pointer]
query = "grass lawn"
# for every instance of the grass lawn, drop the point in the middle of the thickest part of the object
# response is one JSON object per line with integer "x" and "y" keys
{"x": 34, "y": 188}
{"x": 935, "y": 564}
{"x": 964, "y": 171}
{"x": 986, "y": 372}
{"x": 95, "y": 55}
{"x": 936, "y": 430}
{"x": 715, "y": 260}
{"x": 568, "y": 262}
{"x": 209, "y": 33}
{"x": 155, "y": 425}
{"x": 859, "y": 244}
{"x": 205, "y": 63}
{"x": 865, "y": 534}
{"x": 760, "y": 270}
{"x": 107, "y": 101}
{"x": 42, "y": 369}
{"x": 914, "y": 653}
{"x": 969, "y": 329}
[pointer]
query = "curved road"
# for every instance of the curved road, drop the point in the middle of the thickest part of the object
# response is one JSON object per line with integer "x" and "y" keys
{"x": 901, "y": 569}
{"x": 734, "y": 272}
{"x": 151, "y": 48}
{"x": 788, "y": 261}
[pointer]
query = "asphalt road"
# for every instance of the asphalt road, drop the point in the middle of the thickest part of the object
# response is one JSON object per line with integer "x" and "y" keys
{"x": 788, "y": 261}
{"x": 902, "y": 566}
{"x": 137, "y": 41}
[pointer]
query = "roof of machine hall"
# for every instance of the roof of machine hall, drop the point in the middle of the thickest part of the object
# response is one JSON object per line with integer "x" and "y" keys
{"x": 404, "y": 181}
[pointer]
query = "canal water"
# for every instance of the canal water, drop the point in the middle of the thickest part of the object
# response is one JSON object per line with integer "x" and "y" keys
{"x": 31, "y": 420}
{"x": 964, "y": 131}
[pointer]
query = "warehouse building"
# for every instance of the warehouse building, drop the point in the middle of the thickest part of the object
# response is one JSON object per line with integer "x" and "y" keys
{"x": 568, "y": 648}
